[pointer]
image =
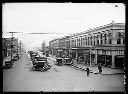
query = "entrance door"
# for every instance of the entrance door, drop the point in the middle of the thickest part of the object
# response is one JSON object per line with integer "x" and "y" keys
{"x": 119, "y": 61}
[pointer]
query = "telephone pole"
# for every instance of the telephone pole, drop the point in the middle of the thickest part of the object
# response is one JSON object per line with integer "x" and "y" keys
{"x": 12, "y": 42}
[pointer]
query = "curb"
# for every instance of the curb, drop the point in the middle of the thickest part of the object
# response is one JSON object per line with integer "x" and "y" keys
{"x": 82, "y": 69}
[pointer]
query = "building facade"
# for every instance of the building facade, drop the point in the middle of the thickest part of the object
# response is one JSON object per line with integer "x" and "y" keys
{"x": 104, "y": 44}
{"x": 6, "y": 46}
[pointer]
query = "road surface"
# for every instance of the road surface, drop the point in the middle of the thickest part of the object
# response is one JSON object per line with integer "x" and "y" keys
{"x": 58, "y": 79}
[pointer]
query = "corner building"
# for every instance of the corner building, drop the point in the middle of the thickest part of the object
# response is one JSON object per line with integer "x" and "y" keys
{"x": 104, "y": 44}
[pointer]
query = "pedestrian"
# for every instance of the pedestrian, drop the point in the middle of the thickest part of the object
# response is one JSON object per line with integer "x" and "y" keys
{"x": 100, "y": 68}
{"x": 88, "y": 71}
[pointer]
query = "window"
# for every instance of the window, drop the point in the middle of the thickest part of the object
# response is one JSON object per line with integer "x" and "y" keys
{"x": 97, "y": 39}
{"x": 94, "y": 40}
{"x": 110, "y": 40}
{"x": 91, "y": 39}
{"x": 123, "y": 41}
{"x": 101, "y": 41}
{"x": 88, "y": 40}
{"x": 119, "y": 38}
{"x": 105, "y": 38}
{"x": 77, "y": 42}
{"x": 123, "y": 36}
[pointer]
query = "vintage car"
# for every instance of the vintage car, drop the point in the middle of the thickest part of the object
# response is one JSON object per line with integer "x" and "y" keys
{"x": 59, "y": 61}
{"x": 41, "y": 64}
{"x": 8, "y": 64}
{"x": 15, "y": 57}
{"x": 67, "y": 61}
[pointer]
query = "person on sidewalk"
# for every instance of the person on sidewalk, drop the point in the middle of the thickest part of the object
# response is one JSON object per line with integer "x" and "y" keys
{"x": 100, "y": 68}
{"x": 88, "y": 71}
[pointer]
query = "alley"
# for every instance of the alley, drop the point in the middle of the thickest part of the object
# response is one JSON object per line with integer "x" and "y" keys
{"x": 58, "y": 78}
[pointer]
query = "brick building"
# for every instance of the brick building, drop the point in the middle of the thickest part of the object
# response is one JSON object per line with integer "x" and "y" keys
{"x": 6, "y": 46}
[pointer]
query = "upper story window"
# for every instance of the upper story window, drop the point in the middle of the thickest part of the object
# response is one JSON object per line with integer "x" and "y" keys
{"x": 105, "y": 38}
{"x": 119, "y": 38}
{"x": 97, "y": 39}
{"x": 85, "y": 41}
{"x": 91, "y": 40}
{"x": 123, "y": 36}
{"x": 88, "y": 40}
{"x": 77, "y": 42}
{"x": 110, "y": 40}
{"x": 101, "y": 39}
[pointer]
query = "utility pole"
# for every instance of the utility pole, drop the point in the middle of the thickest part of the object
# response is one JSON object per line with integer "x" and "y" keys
{"x": 12, "y": 42}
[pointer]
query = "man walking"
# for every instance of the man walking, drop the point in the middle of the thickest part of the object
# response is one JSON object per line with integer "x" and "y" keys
{"x": 100, "y": 68}
{"x": 88, "y": 71}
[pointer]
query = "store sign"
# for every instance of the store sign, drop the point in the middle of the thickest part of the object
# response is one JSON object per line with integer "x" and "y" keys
{"x": 60, "y": 50}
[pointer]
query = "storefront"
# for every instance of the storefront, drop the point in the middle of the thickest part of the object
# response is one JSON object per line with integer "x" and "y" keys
{"x": 119, "y": 61}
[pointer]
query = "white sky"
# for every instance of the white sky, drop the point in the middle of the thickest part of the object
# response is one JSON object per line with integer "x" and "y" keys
{"x": 56, "y": 18}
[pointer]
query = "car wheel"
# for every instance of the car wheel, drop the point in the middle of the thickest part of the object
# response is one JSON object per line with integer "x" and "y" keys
{"x": 42, "y": 69}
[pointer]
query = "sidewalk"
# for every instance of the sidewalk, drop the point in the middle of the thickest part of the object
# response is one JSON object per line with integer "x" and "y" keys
{"x": 94, "y": 69}
{"x": 105, "y": 70}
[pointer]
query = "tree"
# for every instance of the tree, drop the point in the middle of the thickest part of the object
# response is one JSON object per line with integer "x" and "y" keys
{"x": 43, "y": 46}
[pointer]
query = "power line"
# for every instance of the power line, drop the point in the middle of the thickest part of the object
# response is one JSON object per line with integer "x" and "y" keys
{"x": 35, "y": 27}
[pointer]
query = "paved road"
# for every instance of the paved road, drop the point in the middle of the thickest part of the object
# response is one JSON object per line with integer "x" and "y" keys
{"x": 58, "y": 78}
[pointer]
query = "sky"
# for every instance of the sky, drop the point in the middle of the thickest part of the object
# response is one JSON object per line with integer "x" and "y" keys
{"x": 62, "y": 19}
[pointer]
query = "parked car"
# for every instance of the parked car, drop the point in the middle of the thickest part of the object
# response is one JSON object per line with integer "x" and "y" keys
{"x": 67, "y": 61}
{"x": 41, "y": 64}
{"x": 59, "y": 61}
{"x": 8, "y": 64}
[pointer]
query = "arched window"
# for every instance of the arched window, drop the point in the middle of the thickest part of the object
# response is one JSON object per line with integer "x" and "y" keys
{"x": 110, "y": 40}
{"x": 88, "y": 40}
{"x": 91, "y": 40}
{"x": 97, "y": 39}
{"x": 123, "y": 38}
{"x": 85, "y": 40}
{"x": 79, "y": 42}
{"x": 94, "y": 40}
{"x": 101, "y": 39}
{"x": 105, "y": 38}
{"x": 119, "y": 38}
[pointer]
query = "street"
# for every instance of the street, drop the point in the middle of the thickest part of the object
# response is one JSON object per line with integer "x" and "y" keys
{"x": 59, "y": 79}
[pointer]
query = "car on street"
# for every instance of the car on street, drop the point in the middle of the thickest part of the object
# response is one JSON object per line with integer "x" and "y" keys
{"x": 41, "y": 64}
